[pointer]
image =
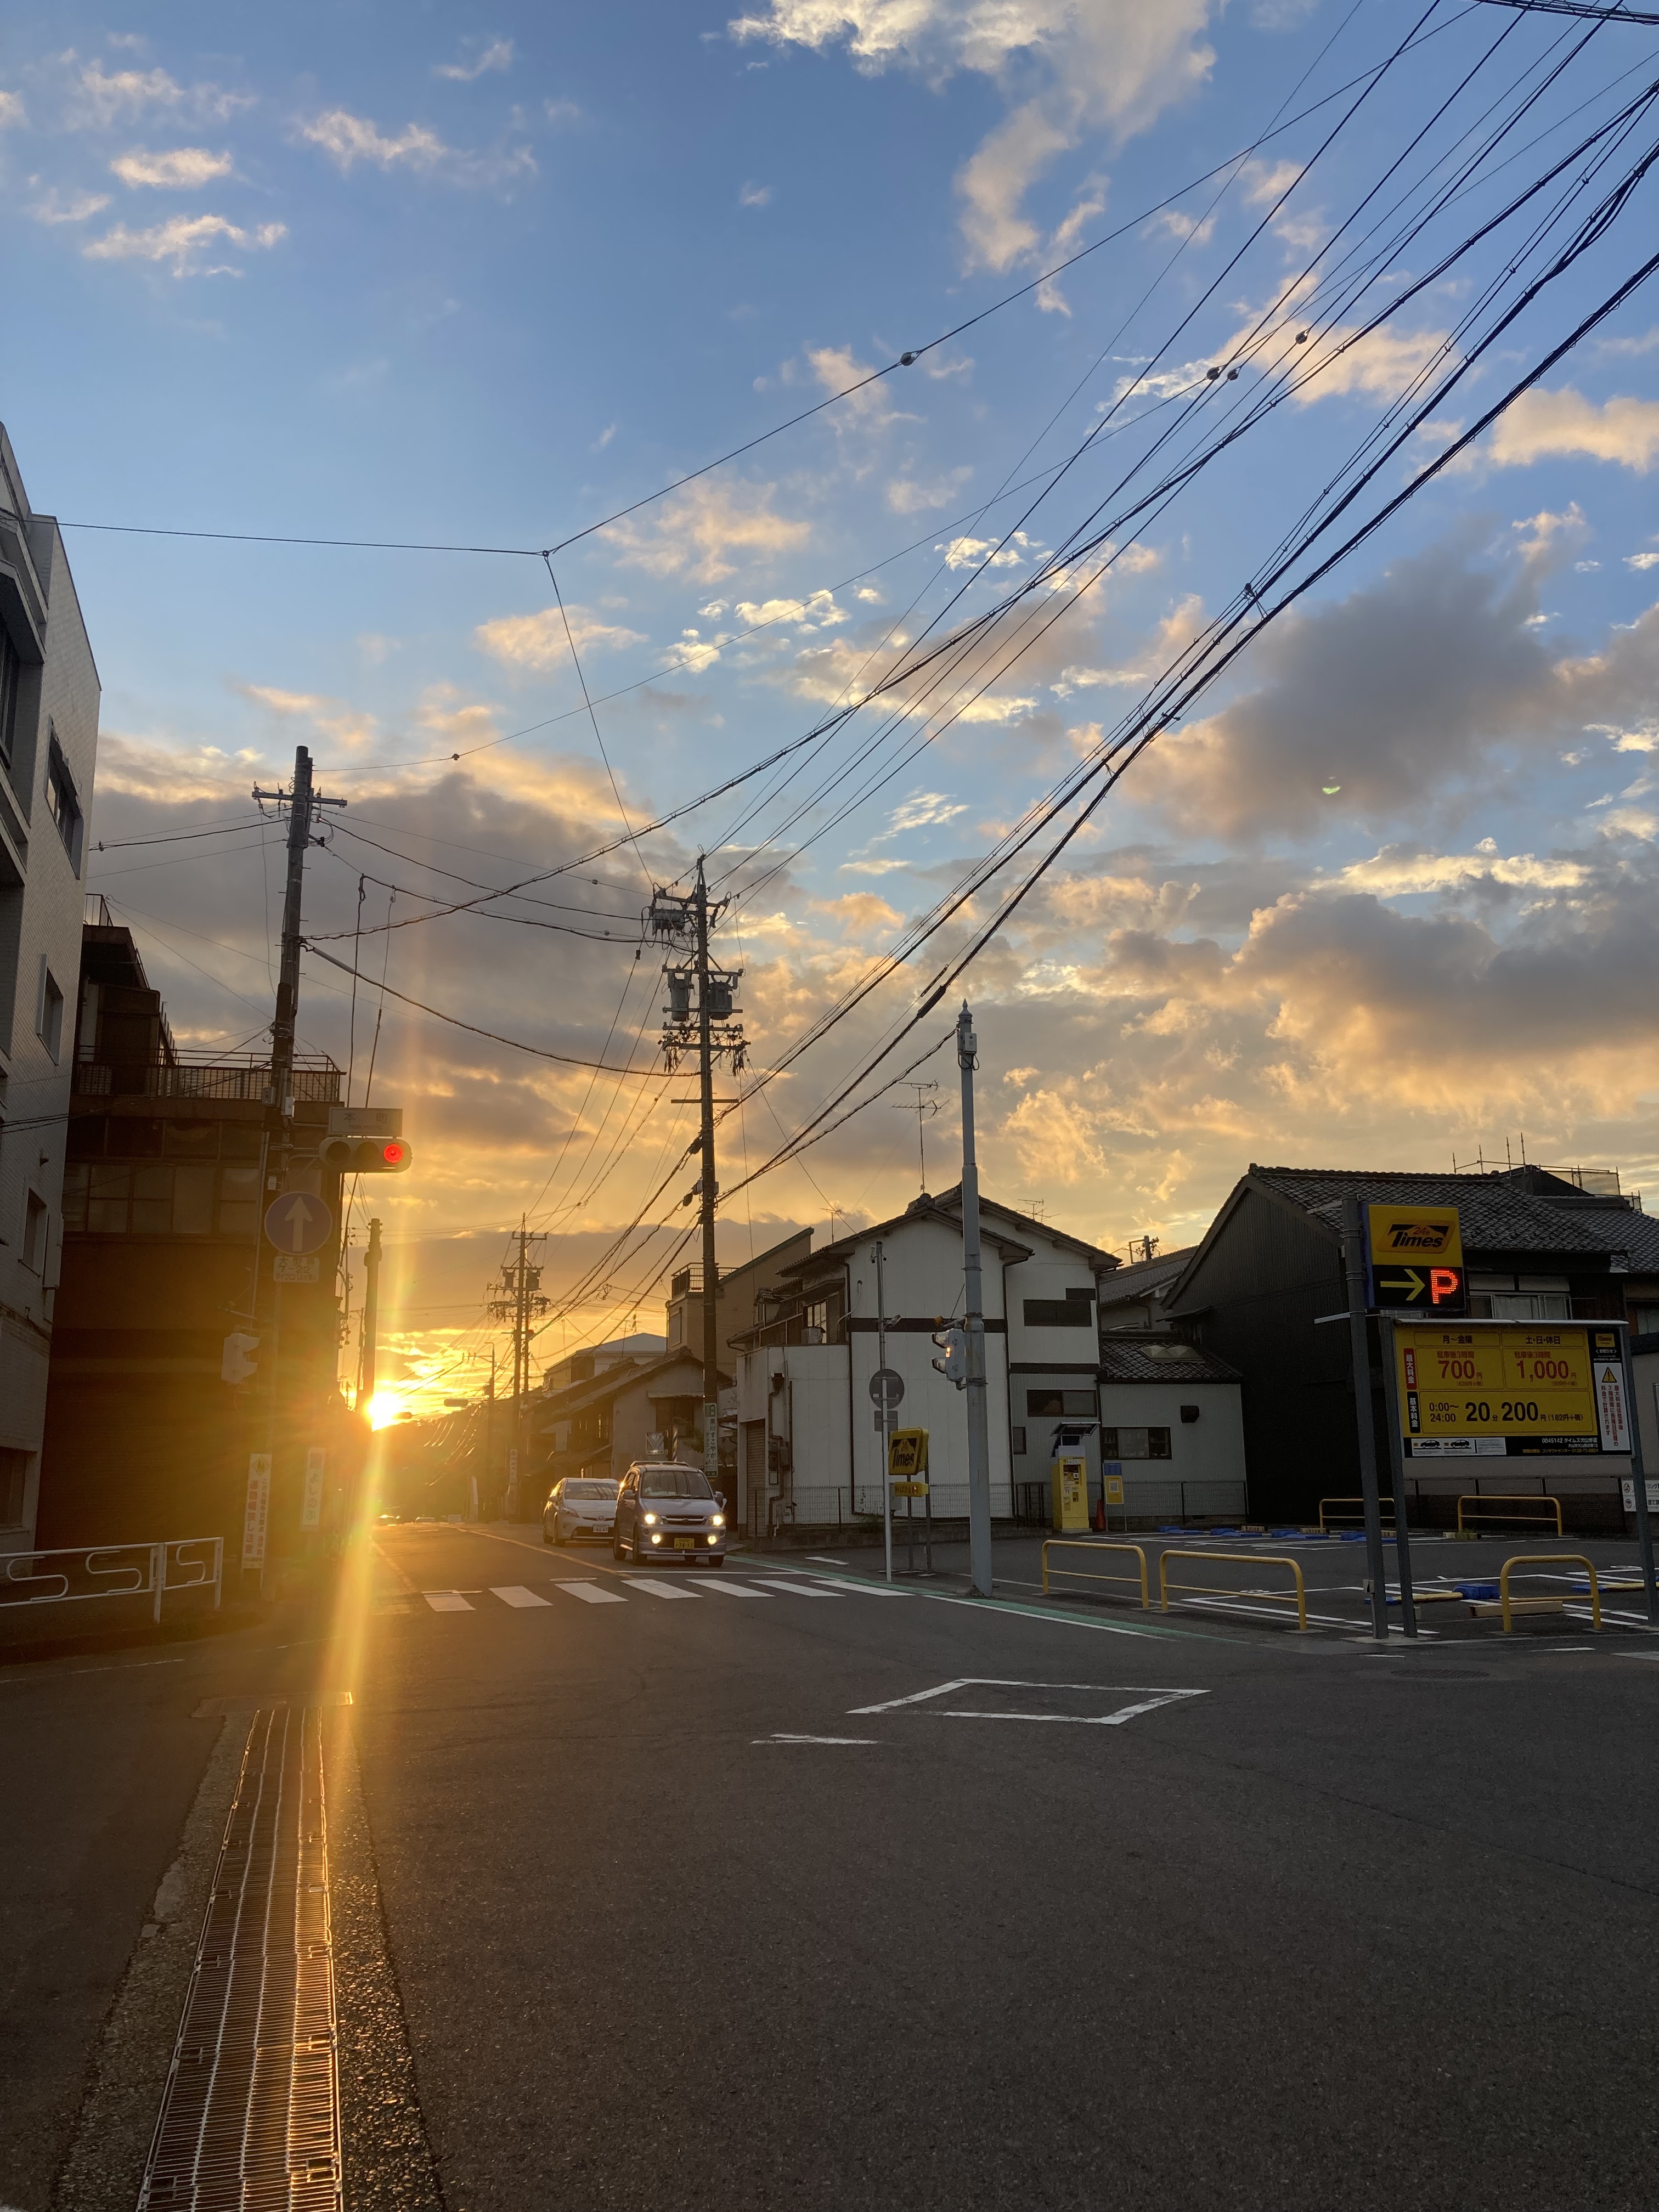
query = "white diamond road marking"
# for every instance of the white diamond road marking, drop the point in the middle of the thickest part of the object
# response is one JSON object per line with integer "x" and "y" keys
{"x": 1148, "y": 1700}
{"x": 657, "y": 1589}
{"x": 515, "y": 1593}
{"x": 445, "y": 1601}
{"x": 796, "y": 1589}
{"x": 590, "y": 1593}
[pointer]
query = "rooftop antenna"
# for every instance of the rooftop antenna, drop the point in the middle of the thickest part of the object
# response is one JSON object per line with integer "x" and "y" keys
{"x": 926, "y": 1106}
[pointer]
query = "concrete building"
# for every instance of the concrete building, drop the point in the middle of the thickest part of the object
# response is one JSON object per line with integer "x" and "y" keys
{"x": 809, "y": 1452}
{"x": 49, "y": 699}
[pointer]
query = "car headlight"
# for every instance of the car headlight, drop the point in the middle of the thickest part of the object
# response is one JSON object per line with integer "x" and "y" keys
{"x": 718, "y": 1520}
{"x": 650, "y": 1520}
{"x": 658, "y": 1538}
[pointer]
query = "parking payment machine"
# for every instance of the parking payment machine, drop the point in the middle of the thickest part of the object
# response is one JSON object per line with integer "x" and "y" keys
{"x": 1070, "y": 1479}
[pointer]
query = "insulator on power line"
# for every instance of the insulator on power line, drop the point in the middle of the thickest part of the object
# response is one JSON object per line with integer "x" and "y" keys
{"x": 905, "y": 360}
{"x": 1213, "y": 374}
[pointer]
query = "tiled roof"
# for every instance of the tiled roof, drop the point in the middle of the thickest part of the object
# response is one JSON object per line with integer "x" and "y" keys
{"x": 1146, "y": 1359}
{"x": 1497, "y": 1212}
{"x": 1146, "y": 1276}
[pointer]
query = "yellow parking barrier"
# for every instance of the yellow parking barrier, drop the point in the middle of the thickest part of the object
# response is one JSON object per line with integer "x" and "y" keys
{"x": 1298, "y": 1597}
{"x": 1508, "y": 1606}
{"x": 1539, "y": 1508}
{"x": 1386, "y": 1508}
{"x": 1076, "y": 1574}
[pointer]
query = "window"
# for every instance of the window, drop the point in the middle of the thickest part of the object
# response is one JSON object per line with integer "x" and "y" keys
{"x": 11, "y": 675}
{"x": 1645, "y": 1320}
{"x": 1017, "y": 1439}
{"x": 49, "y": 1014}
{"x": 63, "y": 802}
{"x": 674, "y": 1482}
{"x": 239, "y": 1201}
{"x": 74, "y": 1192}
{"x": 34, "y": 1235}
{"x": 1135, "y": 1444}
{"x": 816, "y": 1317}
{"x": 1063, "y": 1405}
{"x": 1075, "y": 1311}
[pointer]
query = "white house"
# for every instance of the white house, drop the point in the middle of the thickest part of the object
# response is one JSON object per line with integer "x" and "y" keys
{"x": 809, "y": 1450}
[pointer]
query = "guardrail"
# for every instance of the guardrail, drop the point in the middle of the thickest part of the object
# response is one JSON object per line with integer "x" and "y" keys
{"x": 1076, "y": 1574}
{"x": 1386, "y": 1506}
{"x": 1297, "y": 1597}
{"x": 1508, "y": 1606}
{"x": 140, "y": 1569}
{"x": 1540, "y": 1508}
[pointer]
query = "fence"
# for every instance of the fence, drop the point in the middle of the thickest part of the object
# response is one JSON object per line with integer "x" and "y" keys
{"x": 1547, "y": 1510}
{"x": 105, "y": 1570}
{"x": 859, "y": 1505}
{"x": 313, "y": 1086}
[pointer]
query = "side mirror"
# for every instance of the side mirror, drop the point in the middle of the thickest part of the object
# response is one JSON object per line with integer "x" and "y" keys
{"x": 720, "y": 1499}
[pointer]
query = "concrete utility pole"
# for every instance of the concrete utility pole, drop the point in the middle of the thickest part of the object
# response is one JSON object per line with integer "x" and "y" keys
{"x": 365, "y": 1347}
{"x": 1359, "y": 1355}
{"x": 518, "y": 1301}
{"x": 302, "y": 802}
{"x": 710, "y": 1193}
{"x": 878, "y": 1253}
{"x": 979, "y": 1438}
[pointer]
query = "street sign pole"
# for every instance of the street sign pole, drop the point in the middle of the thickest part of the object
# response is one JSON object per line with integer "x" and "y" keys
{"x": 881, "y": 1362}
{"x": 1397, "y": 1475}
{"x": 1359, "y": 1355}
{"x": 1639, "y": 1487}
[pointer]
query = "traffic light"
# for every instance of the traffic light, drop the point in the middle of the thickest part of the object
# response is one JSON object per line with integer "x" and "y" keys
{"x": 953, "y": 1343}
{"x": 366, "y": 1155}
{"x": 236, "y": 1360}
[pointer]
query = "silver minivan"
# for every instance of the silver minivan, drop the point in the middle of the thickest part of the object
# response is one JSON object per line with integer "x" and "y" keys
{"x": 669, "y": 1513}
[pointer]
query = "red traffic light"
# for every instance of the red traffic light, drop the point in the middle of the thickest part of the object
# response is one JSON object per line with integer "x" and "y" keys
{"x": 394, "y": 1153}
{"x": 366, "y": 1155}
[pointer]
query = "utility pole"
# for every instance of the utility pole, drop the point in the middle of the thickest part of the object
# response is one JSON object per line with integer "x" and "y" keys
{"x": 302, "y": 802}
{"x": 1359, "y": 1359}
{"x": 878, "y": 1253}
{"x": 713, "y": 1030}
{"x": 365, "y": 1344}
{"x": 518, "y": 1300}
{"x": 489, "y": 1432}
{"x": 978, "y": 1439}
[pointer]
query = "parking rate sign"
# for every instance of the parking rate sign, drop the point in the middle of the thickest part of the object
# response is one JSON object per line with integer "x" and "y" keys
{"x": 1518, "y": 1392}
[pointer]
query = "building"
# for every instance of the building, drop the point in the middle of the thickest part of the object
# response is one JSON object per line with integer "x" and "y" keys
{"x": 1538, "y": 1246}
{"x": 163, "y": 1198}
{"x": 1134, "y": 1297}
{"x": 599, "y": 1423}
{"x": 1172, "y": 1427}
{"x": 49, "y": 700}
{"x": 810, "y": 1453}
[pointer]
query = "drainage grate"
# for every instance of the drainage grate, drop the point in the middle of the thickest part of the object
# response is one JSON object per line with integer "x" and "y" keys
{"x": 250, "y": 2119}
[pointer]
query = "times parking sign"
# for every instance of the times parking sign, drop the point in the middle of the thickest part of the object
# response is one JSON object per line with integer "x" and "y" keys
{"x": 1470, "y": 1391}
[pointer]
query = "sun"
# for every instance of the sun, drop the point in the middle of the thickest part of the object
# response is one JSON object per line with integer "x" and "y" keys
{"x": 386, "y": 1407}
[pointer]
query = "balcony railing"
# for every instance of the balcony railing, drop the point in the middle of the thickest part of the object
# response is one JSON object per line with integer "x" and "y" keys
{"x": 317, "y": 1084}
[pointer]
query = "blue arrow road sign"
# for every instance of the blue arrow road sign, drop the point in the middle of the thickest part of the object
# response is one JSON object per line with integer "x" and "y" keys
{"x": 296, "y": 1222}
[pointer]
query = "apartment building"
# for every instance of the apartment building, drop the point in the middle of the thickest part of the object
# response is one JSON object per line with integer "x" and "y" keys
{"x": 48, "y": 700}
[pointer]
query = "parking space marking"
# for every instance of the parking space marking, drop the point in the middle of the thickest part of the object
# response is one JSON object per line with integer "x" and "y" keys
{"x": 591, "y": 1593}
{"x": 446, "y": 1602}
{"x": 515, "y": 1593}
{"x": 657, "y": 1589}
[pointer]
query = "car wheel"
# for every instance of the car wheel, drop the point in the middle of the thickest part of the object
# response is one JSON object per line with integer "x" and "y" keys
{"x": 616, "y": 1551}
{"x": 557, "y": 1538}
{"x": 546, "y": 1538}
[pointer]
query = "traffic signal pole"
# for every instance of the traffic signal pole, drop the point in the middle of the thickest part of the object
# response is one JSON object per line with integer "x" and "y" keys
{"x": 710, "y": 1193}
{"x": 979, "y": 1438}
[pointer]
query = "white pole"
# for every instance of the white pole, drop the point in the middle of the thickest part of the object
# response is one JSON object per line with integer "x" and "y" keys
{"x": 877, "y": 1253}
{"x": 979, "y": 1441}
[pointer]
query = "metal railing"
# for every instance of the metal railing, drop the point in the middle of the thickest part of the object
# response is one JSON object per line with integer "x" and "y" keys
{"x": 1536, "y": 1508}
{"x": 247, "y": 1084}
{"x": 72, "y": 1576}
{"x": 1297, "y": 1597}
{"x": 1077, "y": 1574}
{"x": 1386, "y": 1505}
{"x": 1508, "y": 1606}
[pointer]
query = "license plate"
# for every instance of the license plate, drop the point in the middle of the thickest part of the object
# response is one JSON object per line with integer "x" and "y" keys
{"x": 685, "y": 1543}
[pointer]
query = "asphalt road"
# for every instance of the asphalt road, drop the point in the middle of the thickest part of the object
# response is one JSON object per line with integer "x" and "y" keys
{"x": 783, "y": 1892}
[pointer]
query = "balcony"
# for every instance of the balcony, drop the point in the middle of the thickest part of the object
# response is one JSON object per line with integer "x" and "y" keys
{"x": 193, "y": 1075}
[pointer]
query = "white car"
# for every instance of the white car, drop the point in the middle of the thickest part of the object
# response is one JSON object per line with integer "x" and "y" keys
{"x": 581, "y": 1505}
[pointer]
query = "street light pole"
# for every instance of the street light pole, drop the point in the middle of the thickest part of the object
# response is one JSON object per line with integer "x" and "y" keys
{"x": 1359, "y": 1359}
{"x": 979, "y": 1443}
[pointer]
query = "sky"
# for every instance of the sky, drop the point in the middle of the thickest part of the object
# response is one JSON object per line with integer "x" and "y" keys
{"x": 1383, "y": 895}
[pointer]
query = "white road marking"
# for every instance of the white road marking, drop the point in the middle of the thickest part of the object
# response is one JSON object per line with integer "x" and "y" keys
{"x": 1150, "y": 1699}
{"x": 657, "y": 1589}
{"x": 590, "y": 1593}
{"x": 819, "y": 1560}
{"x": 446, "y": 1602}
{"x": 866, "y": 1589}
{"x": 516, "y": 1593}
{"x": 796, "y": 1589}
{"x": 731, "y": 1590}
{"x": 815, "y": 1739}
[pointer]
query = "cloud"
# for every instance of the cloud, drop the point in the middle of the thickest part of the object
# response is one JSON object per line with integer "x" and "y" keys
{"x": 921, "y": 811}
{"x": 178, "y": 169}
{"x": 696, "y": 532}
{"x": 538, "y": 641}
{"x": 904, "y": 496}
{"x": 1071, "y": 70}
{"x": 1543, "y": 425}
{"x": 13, "y": 114}
{"x": 755, "y": 196}
{"x": 1400, "y": 870}
{"x": 497, "y": 55}
{"x": 54, "y": 207}
{"x": 182, "y": 240}
{"x": 1642, "y": 560}
{"x": 102, "y": 99}
{"x": 348, "y": 139}
{"x": 347, "y": 726}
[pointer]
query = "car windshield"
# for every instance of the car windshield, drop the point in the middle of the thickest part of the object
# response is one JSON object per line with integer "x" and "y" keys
{"x": 674, "y": 1482}
{"x": 600, "y": 1491}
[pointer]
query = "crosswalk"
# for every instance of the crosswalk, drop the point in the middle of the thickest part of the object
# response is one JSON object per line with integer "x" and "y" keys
{"x": 518, "y": 1597}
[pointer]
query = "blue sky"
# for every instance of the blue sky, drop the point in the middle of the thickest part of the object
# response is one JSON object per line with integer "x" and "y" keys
{"x": 1386, "y": 896}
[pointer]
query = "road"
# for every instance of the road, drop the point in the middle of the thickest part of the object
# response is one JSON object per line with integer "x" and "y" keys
{"x": 762, "y": 1887}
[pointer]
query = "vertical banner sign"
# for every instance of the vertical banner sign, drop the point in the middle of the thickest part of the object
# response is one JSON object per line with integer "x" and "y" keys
{"x": 311, "y": 1508}
{"x": 257, "y": 1511}
{"x": 1416, "y": 1255}
{"x": 1610, "y": 1409}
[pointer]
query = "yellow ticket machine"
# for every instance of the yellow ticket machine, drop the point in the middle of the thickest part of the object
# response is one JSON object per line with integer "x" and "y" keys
{"x": 1070, "y": 1501}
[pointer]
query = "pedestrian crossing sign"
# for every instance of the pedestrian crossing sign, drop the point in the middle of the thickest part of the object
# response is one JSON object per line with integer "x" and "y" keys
{"x": 907, "y": 1454}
